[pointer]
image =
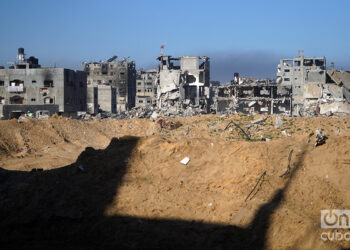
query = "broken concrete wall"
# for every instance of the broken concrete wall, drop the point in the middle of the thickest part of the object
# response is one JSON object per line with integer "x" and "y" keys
{"x": 312, "y": 91}
{"x": 92, "y": 100}
{"x": 342, "y": 79}
{"x": 182, "y": 82}
{"x": 320, "y": 95}
{"x": 252, "y": 99}
{"x": 335, "y": 108}
{"x": 107, "y": 96}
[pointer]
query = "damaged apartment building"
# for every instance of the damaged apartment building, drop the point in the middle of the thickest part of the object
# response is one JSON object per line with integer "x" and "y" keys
{"x": 303, "y": 87}
{"x": 113, "y": 83}
{"x": 146, "y": 89}
{"x": 183, "y": 82}
{"x": 316, "y": 91}
{"x": 28, "y": 88}
{"x": 250, "y": 96}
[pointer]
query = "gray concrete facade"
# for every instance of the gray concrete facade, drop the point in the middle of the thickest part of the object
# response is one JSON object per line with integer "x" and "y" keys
{"x": 146, "y": 88}
{"x": 297, "y": 72}
{"x": 107, "y": 98}
{"x": 92, "y": 100}
{"x": 28, "y": 87}
{"x": 183, "y": 81}
{"x": 121, "y": 75}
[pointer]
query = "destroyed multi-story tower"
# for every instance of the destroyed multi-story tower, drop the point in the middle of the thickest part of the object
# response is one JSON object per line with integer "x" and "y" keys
{"x": 183, "y": 82}
{"x": 120, "y": 75}
{"x": 28, "y": 88}
{"x": 314, "y": 91}
{"x": 146, "y": 88}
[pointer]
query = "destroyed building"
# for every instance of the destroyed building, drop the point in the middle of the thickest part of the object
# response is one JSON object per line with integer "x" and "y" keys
{"x": 303, "y": 87}
{"x": 146, "y": 89}
{"x": 120, "y": 76}
{"x": 26, "y": 87}
{"x": 314, "y": 90}
{"x": 252, "y": 97}
{"x": 183, "y": 82}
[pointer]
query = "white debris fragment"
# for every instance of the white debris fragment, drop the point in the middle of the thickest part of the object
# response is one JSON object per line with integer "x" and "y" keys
{"x": 212, "y": 144}
{"x": 285, "y": 133}
{"x": 251, "y": 103}
{"x": 154, "y": 115}
{"x": 261, "y": 119}
{"x": 210, "y": 204}
{"x": 185, "y": 160}
{"x": 278, "y": 122}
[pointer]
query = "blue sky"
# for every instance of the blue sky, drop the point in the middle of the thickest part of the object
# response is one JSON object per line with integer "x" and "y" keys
{"x": 244, "y": 36}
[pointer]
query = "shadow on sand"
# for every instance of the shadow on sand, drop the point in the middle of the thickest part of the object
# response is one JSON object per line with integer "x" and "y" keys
{"x": 64, "y": 209}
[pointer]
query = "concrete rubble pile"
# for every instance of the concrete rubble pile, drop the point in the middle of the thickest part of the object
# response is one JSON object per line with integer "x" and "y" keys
{"x": 324, "y": 99}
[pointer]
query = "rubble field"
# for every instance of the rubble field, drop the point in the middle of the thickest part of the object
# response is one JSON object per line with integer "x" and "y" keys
{"x": 256, "y": 182}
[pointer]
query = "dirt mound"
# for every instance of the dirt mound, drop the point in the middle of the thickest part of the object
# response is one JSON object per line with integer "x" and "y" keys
{"x": 133, "y": 192}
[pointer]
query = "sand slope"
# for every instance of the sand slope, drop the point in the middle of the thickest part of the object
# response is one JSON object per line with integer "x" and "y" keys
{"x": 134, "y": 192}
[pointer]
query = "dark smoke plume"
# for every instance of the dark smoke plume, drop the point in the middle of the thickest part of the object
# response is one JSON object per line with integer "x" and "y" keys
{"x": 257, "y": 64}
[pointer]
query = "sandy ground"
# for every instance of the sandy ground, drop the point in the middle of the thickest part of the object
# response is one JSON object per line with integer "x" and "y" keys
{"x": 133, "y": 192}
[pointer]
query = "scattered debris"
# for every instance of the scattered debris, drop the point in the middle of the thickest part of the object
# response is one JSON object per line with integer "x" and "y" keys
{"x": 320, "y": 138}
{"x": 262, "y": 138}
{"x": 24, "y": 148}
{"x": 22, "y": 118}
{"x": 154, "y": 115}
{"x": 169, "y": 125}
{"x": 185, "y": 160}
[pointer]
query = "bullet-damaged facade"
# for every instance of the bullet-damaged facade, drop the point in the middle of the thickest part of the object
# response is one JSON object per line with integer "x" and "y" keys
{"x": 26, "y": 86}
{"x": 146, "y": 88}
{"x": 120, "y": 75}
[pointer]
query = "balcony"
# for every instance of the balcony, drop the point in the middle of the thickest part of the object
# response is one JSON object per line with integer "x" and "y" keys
{"x": 15, "y": 89}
